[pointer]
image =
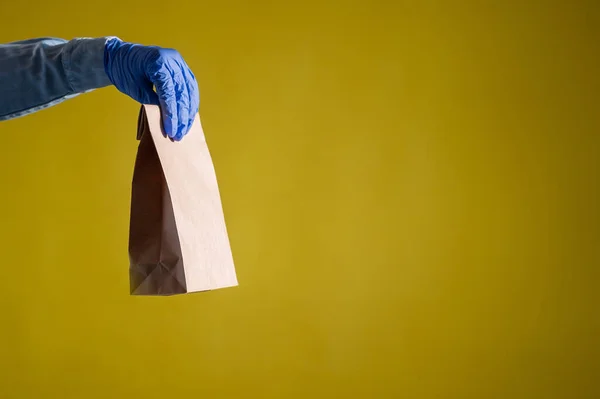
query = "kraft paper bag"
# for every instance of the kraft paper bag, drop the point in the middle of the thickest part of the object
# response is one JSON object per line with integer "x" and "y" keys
{"x": 178, "y": 240}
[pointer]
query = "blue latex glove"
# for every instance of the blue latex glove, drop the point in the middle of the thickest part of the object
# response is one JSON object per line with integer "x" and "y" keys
{"x": 135, "y": 69}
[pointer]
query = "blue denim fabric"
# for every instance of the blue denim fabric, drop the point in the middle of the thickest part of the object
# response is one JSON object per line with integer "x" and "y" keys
{"x": 39, "y": 73}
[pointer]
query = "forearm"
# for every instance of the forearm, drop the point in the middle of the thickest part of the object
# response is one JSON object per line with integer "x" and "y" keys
{"x": 39, "y": 73}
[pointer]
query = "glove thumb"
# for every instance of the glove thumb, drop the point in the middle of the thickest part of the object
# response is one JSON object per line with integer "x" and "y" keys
{"x": 147, "y": 95}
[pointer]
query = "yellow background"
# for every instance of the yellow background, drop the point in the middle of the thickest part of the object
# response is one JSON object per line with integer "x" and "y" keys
{"x": 412, "y": 190}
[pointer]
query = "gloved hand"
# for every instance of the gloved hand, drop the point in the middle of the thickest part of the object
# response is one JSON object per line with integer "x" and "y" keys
{"x": 134, "y": 69}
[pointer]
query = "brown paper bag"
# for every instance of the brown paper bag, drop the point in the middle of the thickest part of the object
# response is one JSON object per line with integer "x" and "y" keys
{"x": 178, "y": 240}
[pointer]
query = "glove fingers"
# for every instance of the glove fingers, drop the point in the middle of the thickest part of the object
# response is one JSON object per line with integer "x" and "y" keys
{"x": 165, "y": 89}
{"x": 188, "y": 99}
{"x": 182, "y": 96}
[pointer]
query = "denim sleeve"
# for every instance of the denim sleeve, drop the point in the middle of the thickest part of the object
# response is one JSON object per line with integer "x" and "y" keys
{"x": 39, "y": 73}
